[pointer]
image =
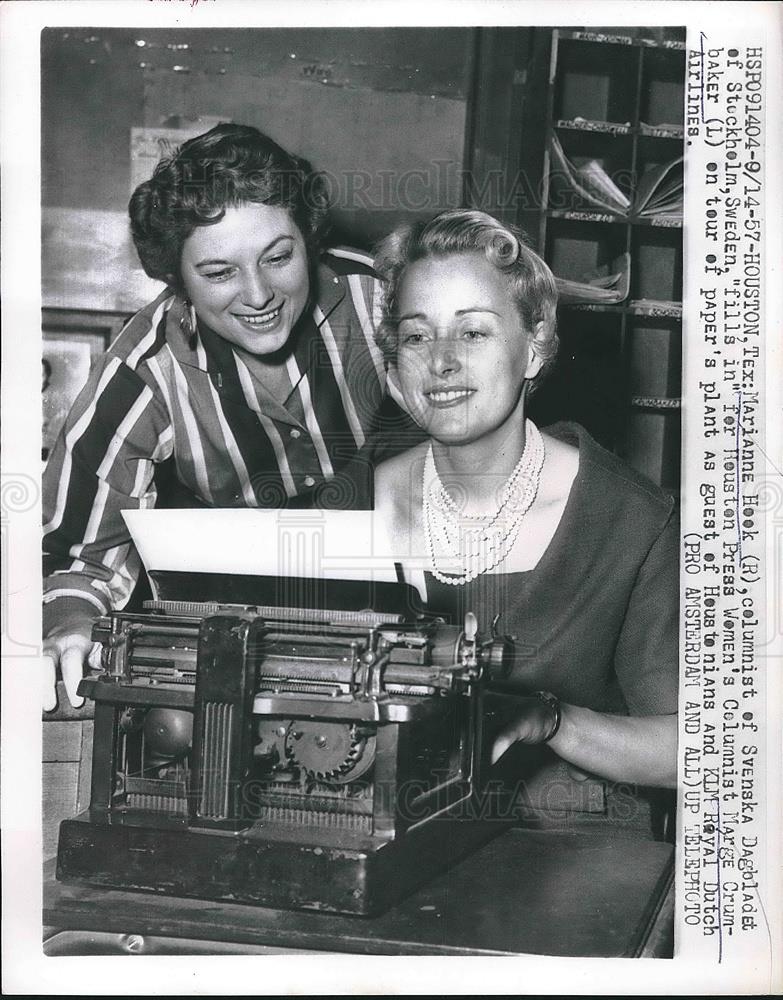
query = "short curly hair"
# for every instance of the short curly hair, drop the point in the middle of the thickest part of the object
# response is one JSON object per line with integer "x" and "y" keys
{"x": 227, "y": 166}
{"x": 531, "y": 283}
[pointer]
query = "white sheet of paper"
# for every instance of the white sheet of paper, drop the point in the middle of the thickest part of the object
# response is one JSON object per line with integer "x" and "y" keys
{"x": 318, "y": 544}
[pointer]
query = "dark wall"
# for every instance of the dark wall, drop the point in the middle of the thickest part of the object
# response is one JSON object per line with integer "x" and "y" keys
{"x": 382, "y": 111}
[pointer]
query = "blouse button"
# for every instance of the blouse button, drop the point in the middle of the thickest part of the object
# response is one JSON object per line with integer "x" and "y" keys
{"x": 309, "y": 481}
{"x": 295, "y": 433}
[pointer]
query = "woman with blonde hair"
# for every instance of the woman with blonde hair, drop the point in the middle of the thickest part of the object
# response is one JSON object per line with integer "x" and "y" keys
{"x": 575, "y": 551}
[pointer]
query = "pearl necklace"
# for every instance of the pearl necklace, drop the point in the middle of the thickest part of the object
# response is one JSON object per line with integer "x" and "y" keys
{"x": 479, "y": 543}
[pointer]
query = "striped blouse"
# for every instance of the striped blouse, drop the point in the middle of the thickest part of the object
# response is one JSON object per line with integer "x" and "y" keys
{"x": 162, "y": 394}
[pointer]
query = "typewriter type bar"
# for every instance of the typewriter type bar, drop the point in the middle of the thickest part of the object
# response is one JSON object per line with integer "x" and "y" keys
{"x": 281, "y": 756}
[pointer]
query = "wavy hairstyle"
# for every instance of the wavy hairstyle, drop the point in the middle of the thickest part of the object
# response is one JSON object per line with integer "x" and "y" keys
{"x": 531, "y": 283}
{"x": 229, "y": 165}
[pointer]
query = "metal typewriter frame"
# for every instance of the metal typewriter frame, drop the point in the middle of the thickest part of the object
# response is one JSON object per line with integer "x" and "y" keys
{"x": 409, "y": 690}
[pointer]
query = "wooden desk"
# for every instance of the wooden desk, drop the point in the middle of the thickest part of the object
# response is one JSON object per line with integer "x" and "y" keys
{"x": 526, "y": 892}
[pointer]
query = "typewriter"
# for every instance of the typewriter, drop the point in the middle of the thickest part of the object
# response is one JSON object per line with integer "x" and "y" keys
{"x": 320, "y": 747}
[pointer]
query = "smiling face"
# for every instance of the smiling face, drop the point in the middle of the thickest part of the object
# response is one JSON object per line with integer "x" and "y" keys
{"x": 463, "y": 353}
{"x": 247, "y": 276}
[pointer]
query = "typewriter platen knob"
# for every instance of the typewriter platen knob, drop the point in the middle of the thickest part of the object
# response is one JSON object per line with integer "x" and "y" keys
{"x": 496, "y": 657}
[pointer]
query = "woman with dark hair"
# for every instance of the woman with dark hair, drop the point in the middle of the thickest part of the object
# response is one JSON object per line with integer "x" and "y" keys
{"x": 575, "y": 551}
{"x": 253, "y": 380}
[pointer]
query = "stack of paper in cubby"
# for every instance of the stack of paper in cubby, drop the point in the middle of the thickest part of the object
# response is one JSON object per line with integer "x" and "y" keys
{"x": 608, "y": 285}
{"x": 588, "y": 180}
{"x": 660, "y": 191}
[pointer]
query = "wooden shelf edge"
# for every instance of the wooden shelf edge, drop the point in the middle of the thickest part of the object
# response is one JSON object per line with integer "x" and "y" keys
{"x": 629, "y": 309}
{"x": 619, "y": 128}
{"x": 662, "y": 403}
{"x": 604, "y": 218}
{"x": 605, "y": 38}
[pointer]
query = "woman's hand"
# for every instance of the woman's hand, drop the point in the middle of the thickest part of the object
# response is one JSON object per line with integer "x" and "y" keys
{"x": 532, "y": 723}
{"x": 68, "y": 648}
{"x": 639, "y": 750}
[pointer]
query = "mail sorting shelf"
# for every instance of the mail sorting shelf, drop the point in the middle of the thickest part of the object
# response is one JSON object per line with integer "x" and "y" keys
{"x": 616, "y": 97}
